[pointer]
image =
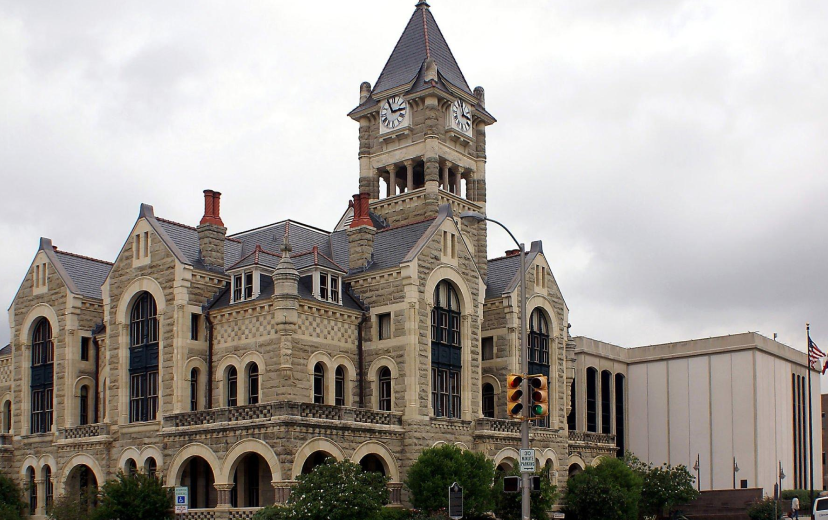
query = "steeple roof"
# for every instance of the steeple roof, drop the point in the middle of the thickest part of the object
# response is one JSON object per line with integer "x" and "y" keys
{"x": 421, "y": 39}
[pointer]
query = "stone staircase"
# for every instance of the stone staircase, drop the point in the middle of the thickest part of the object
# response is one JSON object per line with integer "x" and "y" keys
{"x": 722, "y": 504}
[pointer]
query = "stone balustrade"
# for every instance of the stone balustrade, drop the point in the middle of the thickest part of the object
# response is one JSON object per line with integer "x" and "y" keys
{"x": 497, "y": 425}
{"x": 282, "y": 409}
{"x": 592, "y": 437}
{"x": 84, "y": 432}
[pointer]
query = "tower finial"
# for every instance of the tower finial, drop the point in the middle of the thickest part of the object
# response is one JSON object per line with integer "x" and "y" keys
{"x": 423, "y": 3}
{"x": 286, "y": 249}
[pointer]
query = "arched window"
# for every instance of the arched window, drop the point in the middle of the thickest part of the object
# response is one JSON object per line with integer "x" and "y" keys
{"x": 445, "y": 352}
{"x": 30, "y": 477}
{"x": 318, "y": 384}
{"x": 43, "y": 355}
{"x": 488, "y": 400}
{"x": 591, "y": 400}
{"x": 385, "y": 389}
{"x": 47, "y": 483}
{"x": 194, "y": 390}
{"x": 339, "y": 386}
{"x": 253, "y": 384}
{"x": 150, "y": 466}
{"x": 83, "y": 406}
{"x": 232, "y": 386}
{"x": 573, "y": 410}
{"x": 131, "y": 467}
{"x": 619, "y": 414}
{"x": 538, "y": 338}
{"x": 539, "y": 350}
{"x": 7, "y": 415}
{"x": 606, "y": 402}
{"x": 143, "y": 360}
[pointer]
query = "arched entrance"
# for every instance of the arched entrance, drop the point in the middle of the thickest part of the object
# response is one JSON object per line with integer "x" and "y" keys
{"x": 81, "y": 482}
{"x": 314, "y": 459}
{"x": 198, "y": 477}
{"x": 574, "y": 469}
{"x": 373, "y": 463}
{"x": 251, "y": 481}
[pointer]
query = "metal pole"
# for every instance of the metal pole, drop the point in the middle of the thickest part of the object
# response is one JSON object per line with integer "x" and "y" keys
{"x": 523, "y": 352}
{"x": 810, "y": 419}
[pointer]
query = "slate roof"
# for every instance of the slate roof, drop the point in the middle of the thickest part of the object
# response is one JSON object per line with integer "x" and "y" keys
{"x": 302, "y": 260}
{"x": 5, "y": 351}
{"x": 391, "y": 245}
{"x": 186, "y": 239}
{"x": 503, "y": 274}
{"x": 87, "y": 273}
{"x": 422, "y": 39}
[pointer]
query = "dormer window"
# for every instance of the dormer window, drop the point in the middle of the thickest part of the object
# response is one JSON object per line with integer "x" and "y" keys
{"x": 243, "y": 286}
{"x": 329, "y": 287}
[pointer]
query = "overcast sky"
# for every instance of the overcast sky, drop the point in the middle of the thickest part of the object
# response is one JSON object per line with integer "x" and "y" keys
{"x": 671, "y": 155}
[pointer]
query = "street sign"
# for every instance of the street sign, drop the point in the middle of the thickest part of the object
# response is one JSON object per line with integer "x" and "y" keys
{"x": 182, "y": 499}
{"x": 558, "y": 515}
{"x": 527, "y": 461}
{"x": 455, "y": 501}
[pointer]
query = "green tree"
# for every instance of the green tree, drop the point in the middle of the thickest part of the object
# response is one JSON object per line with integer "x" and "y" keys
{"x": 508, "y": 505}
{"x": 765, "y": 509}
{"x": 610, "y": 491}
{"x": 134, "y": 497}
{"x": 12, "y": 505}
{"x": 665, "y": 488}
{"x": 335, "y": 491}
{"x": 437, "y": 468}
{"x": 73, "y": 507}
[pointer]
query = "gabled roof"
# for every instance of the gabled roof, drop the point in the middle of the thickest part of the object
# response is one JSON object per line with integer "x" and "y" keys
{"x": 504, "y": 272}
{"x": 6, "y": 351}
{"x": 82, "y": 275}
{"x": 301, "y": 236}
{"x": 87, "y": 273}
{"x": 269, "y": 259}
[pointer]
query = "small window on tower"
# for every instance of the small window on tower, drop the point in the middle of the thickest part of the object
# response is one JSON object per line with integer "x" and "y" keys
{"x": 335, "y": 289}
{"x": 248, "y": 285}
{"x": 84, "y": 349}
{"x": 488, "y": 348}
{"x": 136, "y": 247}
{"x": 384, "y": 325}
{"x": 195, "y": 324}
{"x": 237, "y": 288}
{"x": 323, "y": 286}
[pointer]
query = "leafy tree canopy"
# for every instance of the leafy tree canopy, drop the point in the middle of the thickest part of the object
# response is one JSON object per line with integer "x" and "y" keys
{"x": 610, "y": 491}
{"x": 134, "y": 497}
{"x": 12, "y": 506}
{"x": 664, "y": 487}
{"x": 437, "y": 468}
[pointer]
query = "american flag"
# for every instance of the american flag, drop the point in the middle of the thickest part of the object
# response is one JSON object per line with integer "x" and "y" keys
{"x": 814, "y": 354}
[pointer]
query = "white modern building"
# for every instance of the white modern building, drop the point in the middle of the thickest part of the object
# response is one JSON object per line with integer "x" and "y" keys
{"x": 738, "y": 401}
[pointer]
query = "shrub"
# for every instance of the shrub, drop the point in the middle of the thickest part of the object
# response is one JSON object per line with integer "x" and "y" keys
{"x": 663, "y": 488}
{"x": 508, "y": 505}
{"x": 12, "y": 505}
{"x": 72, "y": 507}
{"x": 764, "y": 510}
{"x": 609, "y": 491}
{"x": 273, "y": 512}
{"x": 337, "y": 491}
{"x": 134, "y": 497}
{"x": 437, "y": 468}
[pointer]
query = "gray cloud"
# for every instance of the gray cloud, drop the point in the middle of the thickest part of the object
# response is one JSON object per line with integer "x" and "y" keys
{"x": 672, "y": 153}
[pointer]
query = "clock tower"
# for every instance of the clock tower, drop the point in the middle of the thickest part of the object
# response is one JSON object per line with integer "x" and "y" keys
{"x": 422, "y": 133}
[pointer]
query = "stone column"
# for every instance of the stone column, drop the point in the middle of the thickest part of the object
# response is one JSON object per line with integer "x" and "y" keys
{"x": 40, "y": 485}
{"x": 281, "y": 490}
{"x": 446, "y": 167}
{"x": 457, "y": 178}
{"x": 409, "y": 169}
{"x": 392, "y": 179}
{"x": 223, "y": 491}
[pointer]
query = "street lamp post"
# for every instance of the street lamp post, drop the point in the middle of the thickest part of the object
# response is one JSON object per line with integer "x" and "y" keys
{"x": 697, "y": 467}
{"x": 735, "y": 470}
{"x": 523, "y": 354}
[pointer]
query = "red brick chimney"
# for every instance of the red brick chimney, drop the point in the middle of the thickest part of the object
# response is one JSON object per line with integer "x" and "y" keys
{"x": 212, "y": 208}
{"x": 361, "y": 234}
{"x": 211, "y": 231}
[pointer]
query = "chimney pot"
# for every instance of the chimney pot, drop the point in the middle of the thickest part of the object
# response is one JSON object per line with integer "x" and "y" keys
{"x": 212, "y": 214}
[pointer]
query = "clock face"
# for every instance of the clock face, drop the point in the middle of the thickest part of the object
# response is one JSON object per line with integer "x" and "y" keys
{"x": 393, "y": 112}
{"x": 461, "y": 115}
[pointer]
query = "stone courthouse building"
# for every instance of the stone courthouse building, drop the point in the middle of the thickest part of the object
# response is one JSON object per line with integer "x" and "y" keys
{"x": 232, "y": 363}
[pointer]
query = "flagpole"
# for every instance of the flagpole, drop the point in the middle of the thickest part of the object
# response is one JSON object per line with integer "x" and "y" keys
{"x": 810, "y": 417}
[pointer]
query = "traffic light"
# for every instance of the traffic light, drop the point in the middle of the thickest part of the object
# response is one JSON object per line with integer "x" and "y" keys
{"x": 513, "y": 395}
{"x": 535, "y": 483}
{"x": 539, "y": 396}
{"x": 511, "y": 484}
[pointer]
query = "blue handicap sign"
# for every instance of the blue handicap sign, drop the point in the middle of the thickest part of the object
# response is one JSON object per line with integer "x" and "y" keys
{"x": 181, "y": 499}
